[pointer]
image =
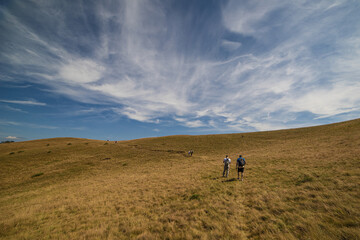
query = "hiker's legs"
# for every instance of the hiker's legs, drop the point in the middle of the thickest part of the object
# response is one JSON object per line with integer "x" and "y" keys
{"x": 238, "y": 173}
{"x": 226, "y": 171}
{"x": 242, "y": 173}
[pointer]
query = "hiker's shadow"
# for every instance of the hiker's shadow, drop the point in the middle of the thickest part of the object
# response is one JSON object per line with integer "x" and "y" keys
{"x": 224, "y": 180}
{"x": 230, "y": 180}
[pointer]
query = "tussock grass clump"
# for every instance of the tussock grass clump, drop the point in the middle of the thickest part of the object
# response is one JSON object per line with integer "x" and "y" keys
{"x": 11, "y": 153}
{"x": 295, "y": 187}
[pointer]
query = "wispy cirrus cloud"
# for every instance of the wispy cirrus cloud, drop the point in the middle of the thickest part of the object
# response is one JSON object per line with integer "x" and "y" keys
{"x": 26, "y": 124}
{"x": 6, "y": 107}
{"x": 230, "y": 45}
{"x": 81, "y": 71}
{"x": 249, "y": 65}
{"x": 24, "y": 102}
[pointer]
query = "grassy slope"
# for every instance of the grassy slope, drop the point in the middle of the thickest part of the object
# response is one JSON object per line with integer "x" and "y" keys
{"x": 300, "y": 184}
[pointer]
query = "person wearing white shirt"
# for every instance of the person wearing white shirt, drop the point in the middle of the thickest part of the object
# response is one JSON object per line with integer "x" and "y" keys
{"x": 227, "y": 162}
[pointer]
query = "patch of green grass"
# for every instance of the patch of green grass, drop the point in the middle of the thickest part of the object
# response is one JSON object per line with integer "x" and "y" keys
{"x": 69, "y": 144}
{"x": 194, "y": 197}
{"x": 11, "y": 153}
{"x": 303, "y": 179}
{"x": 20, "y": 151}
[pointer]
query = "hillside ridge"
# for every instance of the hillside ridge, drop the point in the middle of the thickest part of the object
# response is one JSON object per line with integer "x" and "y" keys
{"x": 338, "y": 124}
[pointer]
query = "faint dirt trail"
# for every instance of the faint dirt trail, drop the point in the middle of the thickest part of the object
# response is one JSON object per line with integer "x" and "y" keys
{"x": 241, "y": 220}
{"x": 225, "y": 195}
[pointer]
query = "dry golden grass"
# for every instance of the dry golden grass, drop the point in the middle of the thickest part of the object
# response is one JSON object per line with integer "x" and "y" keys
{"x": 299, "y": 184}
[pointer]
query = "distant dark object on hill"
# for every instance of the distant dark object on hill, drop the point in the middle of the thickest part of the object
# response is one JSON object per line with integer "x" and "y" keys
{"x": 7, "y": 141}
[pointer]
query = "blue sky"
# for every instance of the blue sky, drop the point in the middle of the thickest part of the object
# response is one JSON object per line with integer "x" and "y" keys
{"x": 130, "y": 69}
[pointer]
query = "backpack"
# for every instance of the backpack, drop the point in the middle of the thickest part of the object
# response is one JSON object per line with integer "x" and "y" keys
{"x": 241, "y": 162}
{"x": 227, "y": 162}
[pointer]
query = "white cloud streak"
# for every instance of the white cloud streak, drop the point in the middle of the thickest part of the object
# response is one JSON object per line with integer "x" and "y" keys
{"x": 22, "y": 124}
{"x": 81, "y": 71}
{"x": 11, "y": 137}
{"x": 230, "y": 45}
{"x": 14, "y": 109}
{"x": 24, "y": 102}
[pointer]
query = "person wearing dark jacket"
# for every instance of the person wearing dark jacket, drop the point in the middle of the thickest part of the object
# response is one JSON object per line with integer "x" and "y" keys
{"x": 240, "y": 166}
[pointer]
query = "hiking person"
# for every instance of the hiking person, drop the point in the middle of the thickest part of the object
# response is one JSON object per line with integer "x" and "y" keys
{"x": 240, "y": 166}
{"x": 227, "y": 162}
{"x": 190, "y": 153}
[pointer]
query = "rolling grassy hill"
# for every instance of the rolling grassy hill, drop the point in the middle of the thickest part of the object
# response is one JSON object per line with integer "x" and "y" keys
{"x": 299, "y": 184}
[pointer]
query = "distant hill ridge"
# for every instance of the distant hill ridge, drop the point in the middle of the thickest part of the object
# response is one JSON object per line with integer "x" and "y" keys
{"x": 351, "y": 123}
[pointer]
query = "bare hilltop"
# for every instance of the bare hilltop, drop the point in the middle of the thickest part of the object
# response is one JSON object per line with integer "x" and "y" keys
{"x": 299, "y": 184}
